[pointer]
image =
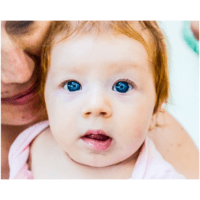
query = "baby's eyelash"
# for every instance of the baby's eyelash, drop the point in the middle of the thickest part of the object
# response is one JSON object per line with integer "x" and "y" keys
{"x": 126, "y": 80}
{"x": 66, "y": 81}
{"x": 71, "y": 86}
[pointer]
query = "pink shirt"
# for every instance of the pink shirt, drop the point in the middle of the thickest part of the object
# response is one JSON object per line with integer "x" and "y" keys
{"x": 149, "y": 165}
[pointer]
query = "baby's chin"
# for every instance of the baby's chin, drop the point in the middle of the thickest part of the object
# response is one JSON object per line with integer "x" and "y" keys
{"x": 102, "y": 161}
{"x": 96, "y": 164}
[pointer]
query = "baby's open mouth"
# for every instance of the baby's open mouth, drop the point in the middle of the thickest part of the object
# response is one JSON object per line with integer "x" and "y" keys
{"x": 97, "y": 140}
{"x": 99, "y": 137}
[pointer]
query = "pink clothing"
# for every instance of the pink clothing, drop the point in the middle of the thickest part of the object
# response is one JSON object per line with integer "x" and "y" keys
{"x": 19, "y": 151}
{"x": 149, "y": 165}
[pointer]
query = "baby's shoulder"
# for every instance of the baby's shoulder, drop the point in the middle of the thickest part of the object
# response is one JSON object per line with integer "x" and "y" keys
{"x": 48, "y": 161}
{"x": 40, "y": 150}
{"x": 42, "y": 143}
{"x": 44, "y": 137}
{"x": 42, "y": 140}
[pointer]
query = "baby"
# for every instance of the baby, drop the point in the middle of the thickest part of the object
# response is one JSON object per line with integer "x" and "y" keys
{"x": 103, "y": 85}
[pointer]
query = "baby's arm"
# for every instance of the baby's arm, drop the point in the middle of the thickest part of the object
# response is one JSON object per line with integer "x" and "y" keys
{"x": 41, "y": 149}
{"x": 176, "y": 147}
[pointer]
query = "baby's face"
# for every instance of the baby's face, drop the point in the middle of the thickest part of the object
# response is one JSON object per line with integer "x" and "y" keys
{"x": 100, "y": 98}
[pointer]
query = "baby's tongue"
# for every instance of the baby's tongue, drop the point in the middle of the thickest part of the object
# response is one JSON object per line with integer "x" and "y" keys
{"x": 98, "y": 137}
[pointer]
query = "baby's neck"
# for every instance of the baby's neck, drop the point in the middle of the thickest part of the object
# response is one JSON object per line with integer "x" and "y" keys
{"x": 122, "y": 170}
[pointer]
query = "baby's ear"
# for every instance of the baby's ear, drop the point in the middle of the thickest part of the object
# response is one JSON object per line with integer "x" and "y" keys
{"x": 154, "y": 118}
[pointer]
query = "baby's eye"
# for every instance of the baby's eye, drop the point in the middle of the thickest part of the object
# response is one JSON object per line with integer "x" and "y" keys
{"x": 122, "y": 87}
{"x": 72, "y": 86}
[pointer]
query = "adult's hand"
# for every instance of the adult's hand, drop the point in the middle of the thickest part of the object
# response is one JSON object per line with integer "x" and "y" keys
{"x": 194, "y": 25}
{"x": 176, "y": 146}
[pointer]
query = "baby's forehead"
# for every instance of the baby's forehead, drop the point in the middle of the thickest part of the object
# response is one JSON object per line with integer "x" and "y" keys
{"x": 112, "y": 52}
{"x": 133, "y": 29}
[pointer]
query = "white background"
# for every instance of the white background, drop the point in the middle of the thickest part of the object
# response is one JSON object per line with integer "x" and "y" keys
{"x": 184, "y": 79}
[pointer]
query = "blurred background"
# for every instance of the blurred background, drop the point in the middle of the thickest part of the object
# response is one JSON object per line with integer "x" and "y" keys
{"x": 184, "y": 78}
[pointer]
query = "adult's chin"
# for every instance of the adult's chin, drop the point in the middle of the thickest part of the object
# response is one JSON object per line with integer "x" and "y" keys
{"x": 18, "y": 115}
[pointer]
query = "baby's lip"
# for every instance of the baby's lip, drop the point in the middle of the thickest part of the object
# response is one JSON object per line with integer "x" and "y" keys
{"x": 93, "y": 134}
{"x": 97, "y": 140}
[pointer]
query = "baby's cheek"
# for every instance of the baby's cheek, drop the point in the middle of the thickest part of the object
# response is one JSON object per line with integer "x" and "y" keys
{"x": 134, "y": 132}
{"x": 66, "y": 96}
{"x": 62, "y": 138}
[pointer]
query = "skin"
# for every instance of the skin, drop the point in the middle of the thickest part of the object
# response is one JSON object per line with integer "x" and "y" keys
{"x": 20, "y": 57}
{"x": 98, "y": 64}
{"x": 20, "y": 53}
{"x": 183, "y": 156}
{"x": 194, "y": 25}
{"x": 176, "y": 146}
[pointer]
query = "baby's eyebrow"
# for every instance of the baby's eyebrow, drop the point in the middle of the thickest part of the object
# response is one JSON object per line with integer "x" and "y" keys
{"x": 126, "y": 66}
{"x": 73, "y": 69}
{"x": 120, "y": 66}
{"x": 111, "y": 67}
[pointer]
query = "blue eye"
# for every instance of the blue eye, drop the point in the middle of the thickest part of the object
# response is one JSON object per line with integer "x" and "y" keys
{"x": 72, "y": 86}
{"x": 122, "y": 87}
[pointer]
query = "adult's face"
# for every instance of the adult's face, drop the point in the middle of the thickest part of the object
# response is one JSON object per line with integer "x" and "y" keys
{"x": 21, "y": 43}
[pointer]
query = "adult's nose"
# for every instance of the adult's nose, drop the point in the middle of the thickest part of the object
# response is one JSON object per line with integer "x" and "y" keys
{"x": 97, "y": 105}
{"x": 16, "y": 65}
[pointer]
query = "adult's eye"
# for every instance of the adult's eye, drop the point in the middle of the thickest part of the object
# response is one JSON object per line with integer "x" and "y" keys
{"x": 72, "y": 86}
{"x": 122, "y": 87}
{"x": 18, "y": 27}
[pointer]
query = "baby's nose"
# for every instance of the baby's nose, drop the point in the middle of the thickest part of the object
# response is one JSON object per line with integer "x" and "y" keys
{"x": 98, "y": 104}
